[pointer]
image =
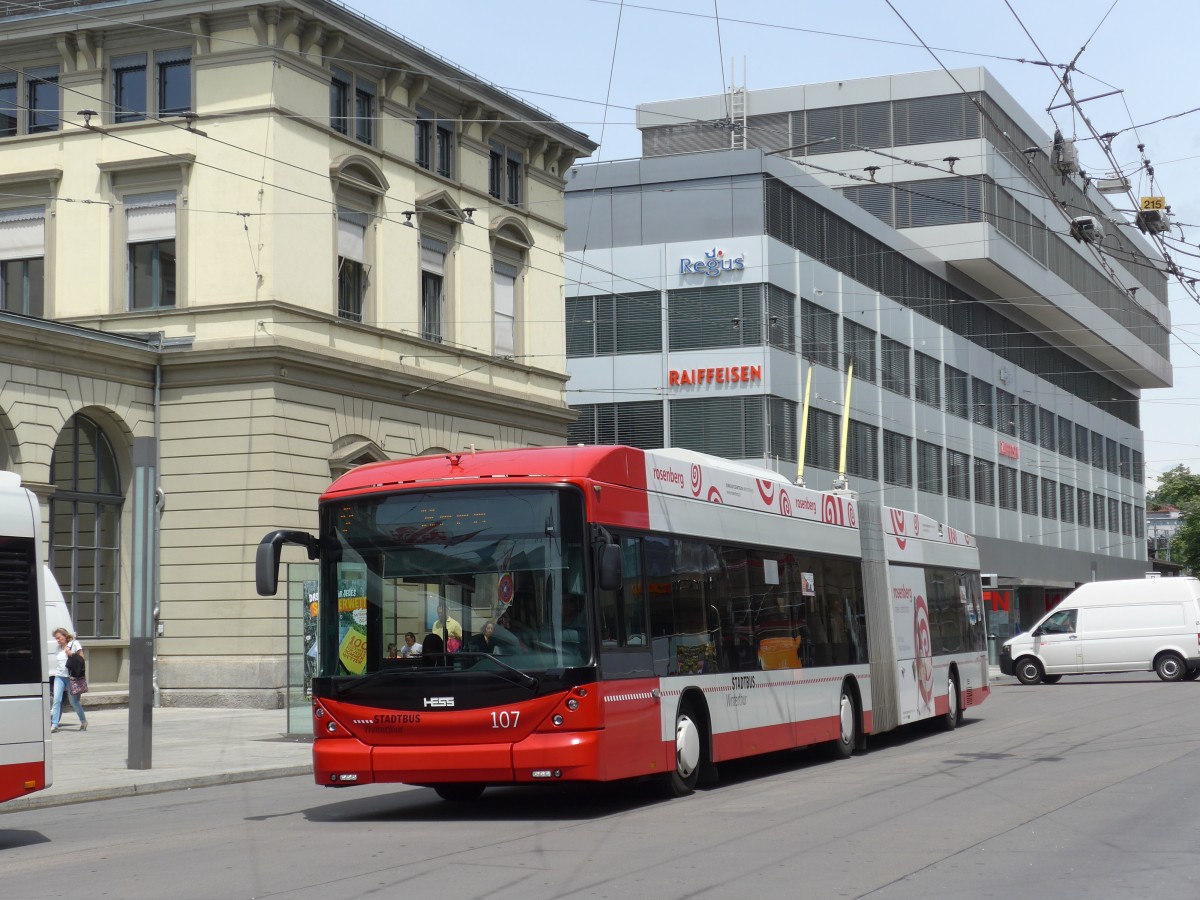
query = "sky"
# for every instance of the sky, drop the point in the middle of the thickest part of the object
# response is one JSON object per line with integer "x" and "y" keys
{"x": 589, "y": 63}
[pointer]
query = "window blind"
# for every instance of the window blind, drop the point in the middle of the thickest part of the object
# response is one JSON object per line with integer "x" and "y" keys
{"x": 150, "y": 217}
{"x": 22, "y": 233}
{"x": 504, "y": 309}
{"x": 352, "y": 235}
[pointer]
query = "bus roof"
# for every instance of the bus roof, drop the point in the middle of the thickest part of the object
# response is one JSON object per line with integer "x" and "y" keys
{"x": 611, "y": 464}
{"x": 672, "y": 471}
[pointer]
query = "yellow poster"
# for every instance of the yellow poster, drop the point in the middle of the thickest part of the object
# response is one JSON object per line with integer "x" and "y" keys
{"x": 353, "y": 652}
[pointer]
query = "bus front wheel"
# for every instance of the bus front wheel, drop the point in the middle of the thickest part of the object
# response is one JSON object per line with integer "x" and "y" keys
{"x": 689, "y": 750}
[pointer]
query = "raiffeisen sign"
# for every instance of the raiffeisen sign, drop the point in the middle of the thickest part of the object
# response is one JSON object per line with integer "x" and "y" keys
{"x": 715, "y": 375}
{"x": 713, "y": 264}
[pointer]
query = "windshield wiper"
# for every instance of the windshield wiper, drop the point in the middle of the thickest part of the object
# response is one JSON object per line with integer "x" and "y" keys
{"x": 528, "y": 680}
{"x": 361, "y": 680}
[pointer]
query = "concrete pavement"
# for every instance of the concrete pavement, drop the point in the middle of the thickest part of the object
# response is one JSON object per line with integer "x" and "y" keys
{"x": 190, "y": 748}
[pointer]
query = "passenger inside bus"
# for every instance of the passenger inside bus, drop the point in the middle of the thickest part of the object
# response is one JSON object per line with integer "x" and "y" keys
{"x": 431, "y": 649}
{"x": 446, "y": 624}
{"x": 485, "y": 641}
{"x": 506, "y": 640}
{"x": 411, "y": 648}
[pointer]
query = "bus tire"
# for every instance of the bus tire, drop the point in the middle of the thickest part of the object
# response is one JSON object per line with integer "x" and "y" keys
{"x": 842, "y": 747}
{"x": 1170, "y": 667}
{"x": 1028, "y": 670}
{"x": 953, "y": 702}
{"x": 689, "y": 751}
{"x": 459, "y": 792}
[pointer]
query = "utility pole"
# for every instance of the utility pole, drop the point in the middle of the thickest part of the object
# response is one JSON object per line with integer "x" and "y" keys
{"x": 144, "y": 599}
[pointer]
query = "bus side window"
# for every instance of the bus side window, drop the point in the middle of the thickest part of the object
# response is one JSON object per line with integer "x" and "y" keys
{"x": 633, "y": 616}
{"x": 609, "y": 608}
{"x": 623, "y": 611}
{"x": 738, "y": 612}
{"x": 659, "y": 557}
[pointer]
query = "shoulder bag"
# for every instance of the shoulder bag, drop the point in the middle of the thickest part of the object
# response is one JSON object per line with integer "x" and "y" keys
{"x": 76, "y": 667}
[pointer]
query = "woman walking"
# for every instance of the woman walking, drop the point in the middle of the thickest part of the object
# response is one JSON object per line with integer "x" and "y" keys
{"x": 67, "y": 647}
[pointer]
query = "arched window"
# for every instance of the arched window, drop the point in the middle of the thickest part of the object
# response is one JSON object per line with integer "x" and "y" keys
{"x": 358, "y": 185}
{"x": 352, "y": 451}
{"x": 85, "y": 527}
{"x": 439, "y": 217}
{"x": 510, "y": 241}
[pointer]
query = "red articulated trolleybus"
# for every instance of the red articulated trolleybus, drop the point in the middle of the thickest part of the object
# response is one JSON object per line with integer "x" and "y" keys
{"x": 602, "y": 613}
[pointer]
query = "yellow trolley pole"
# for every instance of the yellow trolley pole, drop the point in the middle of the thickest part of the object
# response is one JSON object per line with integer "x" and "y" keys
{"x": 842, "y": 482}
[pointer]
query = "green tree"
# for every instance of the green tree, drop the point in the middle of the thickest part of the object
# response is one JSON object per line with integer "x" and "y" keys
{"x": 1177, "y": 487}
{"x": 1180, "y": 488}
{"x": 1185, "y": 546}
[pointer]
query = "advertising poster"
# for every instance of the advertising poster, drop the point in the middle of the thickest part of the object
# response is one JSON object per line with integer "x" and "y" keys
{"x": 352, "y": 618}
{"x": 311, "y": 595}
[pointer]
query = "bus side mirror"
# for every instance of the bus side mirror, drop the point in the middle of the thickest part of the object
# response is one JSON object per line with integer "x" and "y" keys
{"x": 608, "y": 565}
{"x": 266, "y": 560}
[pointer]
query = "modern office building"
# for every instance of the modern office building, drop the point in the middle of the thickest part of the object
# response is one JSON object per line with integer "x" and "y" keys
{"x": 244, "y": 248}
{"x": 1162, "y": 525}
{"x": 997, "y": 361}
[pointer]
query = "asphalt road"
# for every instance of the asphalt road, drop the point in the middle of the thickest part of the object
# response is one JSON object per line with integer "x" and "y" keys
{"x": 1088, "y": 788}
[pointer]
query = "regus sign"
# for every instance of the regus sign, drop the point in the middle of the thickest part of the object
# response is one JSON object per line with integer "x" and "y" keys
{"x": 714, "y": 263}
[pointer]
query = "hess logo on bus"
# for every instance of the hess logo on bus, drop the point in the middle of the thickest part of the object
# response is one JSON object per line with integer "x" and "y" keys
{"x": 439, "y": 702}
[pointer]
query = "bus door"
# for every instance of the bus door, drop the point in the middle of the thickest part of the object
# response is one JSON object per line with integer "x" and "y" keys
{"x": 632, "y": 714}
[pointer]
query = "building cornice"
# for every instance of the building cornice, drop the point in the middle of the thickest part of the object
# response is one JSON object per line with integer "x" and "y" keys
{"x": 164, "y": 160}
{"x": 315, "y": 369}
{"x": 324, "y": 25}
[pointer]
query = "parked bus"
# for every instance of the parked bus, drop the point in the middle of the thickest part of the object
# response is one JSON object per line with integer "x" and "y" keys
{"x": 24, "y": 677}
{"x": 650, "y": 613}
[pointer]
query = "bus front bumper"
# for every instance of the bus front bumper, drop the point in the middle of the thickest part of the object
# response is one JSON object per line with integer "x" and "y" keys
{"x": 558, "y": 756}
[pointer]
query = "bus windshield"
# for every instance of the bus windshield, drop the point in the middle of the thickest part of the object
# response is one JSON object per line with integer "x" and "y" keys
{"x": 445, "y": 578}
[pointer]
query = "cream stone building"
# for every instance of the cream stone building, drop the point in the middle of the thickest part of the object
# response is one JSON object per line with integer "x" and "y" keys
{"x": 244, "y": 248}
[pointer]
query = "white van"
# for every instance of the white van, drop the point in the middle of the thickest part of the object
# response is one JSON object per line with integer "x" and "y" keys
{"x": 57, "y": 616}
{"x": 1137, "y": 625}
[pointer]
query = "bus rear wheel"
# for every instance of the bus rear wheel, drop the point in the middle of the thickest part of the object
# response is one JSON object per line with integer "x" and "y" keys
{"x": 689, "y": 752}
{"x": 459, "y": 792}
{"x": 843, "y": 746}
{"x": 953, "y": 710}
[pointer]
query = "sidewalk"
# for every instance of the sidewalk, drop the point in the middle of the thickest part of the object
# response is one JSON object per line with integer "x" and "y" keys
{"x": 190, "y": 748}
